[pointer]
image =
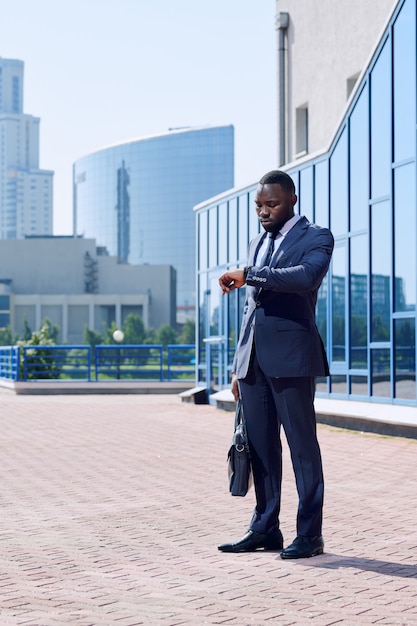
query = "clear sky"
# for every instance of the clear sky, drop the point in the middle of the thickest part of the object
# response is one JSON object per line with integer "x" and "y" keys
{"x": 99, "y": 72}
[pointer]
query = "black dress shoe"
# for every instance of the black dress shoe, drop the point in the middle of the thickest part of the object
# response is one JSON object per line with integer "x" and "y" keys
{"x": 255, "y": 541}
{"x": 303, "y": 547}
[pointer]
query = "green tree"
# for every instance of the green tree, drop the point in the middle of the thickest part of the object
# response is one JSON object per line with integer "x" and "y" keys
{"x": 92, "y": 338}
{"x": 50, "y": 330}
{"x": 44, "y": 363}
{"x": 187, "y": 335}
{"x": 134, "y": 329}
{"x": 26, "y": 332}
{"x": 6, "y": 337}
{"x": 150, "y": 336}
{"x": 166, "y": 335}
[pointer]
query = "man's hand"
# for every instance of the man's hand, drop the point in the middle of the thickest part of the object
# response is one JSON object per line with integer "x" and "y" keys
{"x": 232, "y": 279}
{"x": 235, "y": 387}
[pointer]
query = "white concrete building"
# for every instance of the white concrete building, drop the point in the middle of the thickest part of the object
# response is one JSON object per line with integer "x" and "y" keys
{"x": 323, "y": 47}
{"x": 75, "y": 284}
{"x": 25, "y": 190}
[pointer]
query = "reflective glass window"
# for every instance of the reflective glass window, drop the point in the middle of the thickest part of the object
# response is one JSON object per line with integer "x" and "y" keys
{"x": 213, "y": 236}
{"x": 321, "y": 310}
{"x": 322, "y": 385}
{"x": 222, "y": 233}
{"x": 404, "y": 41}
{"x": 305, "y": 193}
{"x": 254, "y": 224}
{"x": 321, "y": 193}
{"x": 4, "y": 303}
{"x": 214, "y": 306}
{"x": 405, "y": 358}
{"x": 359, "y": 385}
{"x": 339, "y": 303}
{"x": 359, "y": 164}
{"x": 232, "y": 325}
{"x": 243, "y": 227}
{"x": 339, "y": 187}
{"x": 338, "y": 384}
{"x": 381, "y": 385}
{"x": 233, "y": 231}
{"x": 381, "y": 124}
{"x": 202, "y": 239}
{"x": 381, "y": 260}
{"x": 405, "y": 238}
{"x": 359, "y": 267}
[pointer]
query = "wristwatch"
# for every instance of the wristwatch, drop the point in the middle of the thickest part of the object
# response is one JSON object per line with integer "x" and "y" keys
{"x": 245, "y": 271}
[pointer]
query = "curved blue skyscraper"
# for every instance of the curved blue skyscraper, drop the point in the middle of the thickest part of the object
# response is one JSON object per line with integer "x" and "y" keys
{"x": 136, "y": 198}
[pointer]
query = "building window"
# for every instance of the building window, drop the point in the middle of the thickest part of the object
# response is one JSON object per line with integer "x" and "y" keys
{"x": 15, "y": 95}
{"x": 301, "y": 130}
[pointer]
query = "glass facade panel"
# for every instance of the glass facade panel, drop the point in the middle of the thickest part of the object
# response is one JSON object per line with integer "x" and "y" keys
{"x": 339, "y": 384}
{"x": 222, "y": 216}
{"x": 359, "y": 268}
{"x": 321, "y": 193}
{"x": 404, "y": 64}
{"x": 213, "y": 236}
{"x": 339, "y": 187}
{"x": 232, "y": 325}
{"x": 4, "y": 303}
{"x": 405, "y": 238}
{"x": 370, "y": 202}
{"x": 381, "y": 124}
{"x": 233, "y": 231}
{"x": 202, "y": 320}
{"x": 305, "y": 193}
{"x": 254, "y": 224}
{"x": 405, "y": 358}
{"x": 381, "y": 386}
{"x": 359, "y": 164}
{"x": 243, "y": 240}
{"x": 359, "y": 385}
{"x": 339, "y": 304}
{"x": 321, "y": 310}
{"x": 381, "y": 261}
{"x": 202, "y": 239}
{"x": 137, "y": 198}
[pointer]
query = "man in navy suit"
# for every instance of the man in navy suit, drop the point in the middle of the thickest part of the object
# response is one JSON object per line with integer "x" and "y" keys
{"x": 278, "y": 356}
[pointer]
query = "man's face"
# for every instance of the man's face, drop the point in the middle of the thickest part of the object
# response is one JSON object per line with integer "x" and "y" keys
{"x": 274, "y": 206}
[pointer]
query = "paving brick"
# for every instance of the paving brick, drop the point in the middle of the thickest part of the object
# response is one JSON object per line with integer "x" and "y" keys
{"x": 112, "y": 508}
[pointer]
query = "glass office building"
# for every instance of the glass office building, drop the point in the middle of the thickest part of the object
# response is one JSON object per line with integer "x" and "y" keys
{"x": 364, "y": 189}
{"x": 136, "y": 198}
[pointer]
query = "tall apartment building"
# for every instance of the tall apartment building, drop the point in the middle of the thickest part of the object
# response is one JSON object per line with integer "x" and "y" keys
{"x": 25, "y": 190}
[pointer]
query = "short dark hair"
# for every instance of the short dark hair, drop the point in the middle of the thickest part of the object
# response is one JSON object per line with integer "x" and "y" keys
{"x": 277, "y": 177}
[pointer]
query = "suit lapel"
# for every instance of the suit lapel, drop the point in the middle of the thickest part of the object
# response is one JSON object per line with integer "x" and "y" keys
{"x": 292, "y": 237}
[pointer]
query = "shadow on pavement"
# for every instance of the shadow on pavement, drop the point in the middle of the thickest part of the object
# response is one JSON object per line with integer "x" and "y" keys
{"x": 388, "y": 568}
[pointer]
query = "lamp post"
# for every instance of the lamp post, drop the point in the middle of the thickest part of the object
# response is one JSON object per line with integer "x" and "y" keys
{"x": 118, "y": 337}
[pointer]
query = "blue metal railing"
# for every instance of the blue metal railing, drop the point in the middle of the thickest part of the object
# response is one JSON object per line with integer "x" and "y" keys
{"x": 9, "y": 362}
{"x": 129, "y": 362}
{"x": 56, "y": 362}
{"x": 104, "y": 362}
{"x": 181, "y": 361}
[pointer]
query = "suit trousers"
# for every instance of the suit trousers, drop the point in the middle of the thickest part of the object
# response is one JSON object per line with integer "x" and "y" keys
{"x": 267, "y": 403}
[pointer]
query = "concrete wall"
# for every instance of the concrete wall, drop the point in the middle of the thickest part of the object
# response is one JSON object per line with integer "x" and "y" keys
{"x": 46, "y": 278}
{"x": 328, "y": 43}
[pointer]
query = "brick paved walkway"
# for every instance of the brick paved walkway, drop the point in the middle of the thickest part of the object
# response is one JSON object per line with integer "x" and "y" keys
{"x": 112, "y": 508}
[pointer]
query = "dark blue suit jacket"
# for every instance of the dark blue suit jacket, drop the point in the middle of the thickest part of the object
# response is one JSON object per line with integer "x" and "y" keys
{"x": 279, "y": 311}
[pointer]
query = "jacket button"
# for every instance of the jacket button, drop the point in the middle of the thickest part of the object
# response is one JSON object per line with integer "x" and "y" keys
{"x": 257, "y": 303}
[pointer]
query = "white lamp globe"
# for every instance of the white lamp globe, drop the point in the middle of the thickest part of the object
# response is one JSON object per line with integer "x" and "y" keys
{"x": 118, "y": 336}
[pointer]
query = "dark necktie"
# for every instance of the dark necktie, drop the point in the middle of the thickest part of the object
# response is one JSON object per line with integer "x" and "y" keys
{"x": 267, "y": 259}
